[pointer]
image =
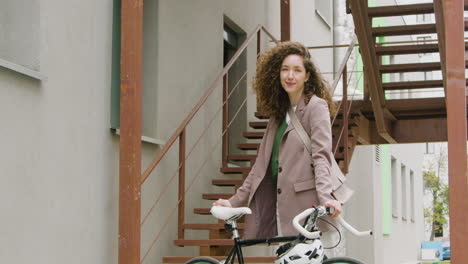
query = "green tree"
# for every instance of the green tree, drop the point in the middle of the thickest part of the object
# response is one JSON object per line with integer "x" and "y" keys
{"x": 436, "y": 214}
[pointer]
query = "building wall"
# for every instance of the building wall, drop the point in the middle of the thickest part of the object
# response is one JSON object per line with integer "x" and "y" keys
{"x": 59, "y": 158}
{"x": 395, "y": 240}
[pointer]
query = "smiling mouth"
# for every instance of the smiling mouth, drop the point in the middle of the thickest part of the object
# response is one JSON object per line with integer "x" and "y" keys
{"x": 290, "y": 84}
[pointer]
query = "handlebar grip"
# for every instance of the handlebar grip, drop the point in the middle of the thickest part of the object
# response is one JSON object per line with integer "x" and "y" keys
{"x": 352, "y": 229}
{"x": 302, "y": 230}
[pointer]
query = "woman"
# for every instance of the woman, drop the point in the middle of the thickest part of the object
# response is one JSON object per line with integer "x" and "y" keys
{"x": 285, "y": 178}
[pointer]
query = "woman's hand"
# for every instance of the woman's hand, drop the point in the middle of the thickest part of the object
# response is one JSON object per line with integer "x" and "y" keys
{"x": 222, "y": 202}
{"x": 335, "y": 205}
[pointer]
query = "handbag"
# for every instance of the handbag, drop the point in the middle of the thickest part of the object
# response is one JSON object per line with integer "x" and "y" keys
{"x": 340, "y": 191}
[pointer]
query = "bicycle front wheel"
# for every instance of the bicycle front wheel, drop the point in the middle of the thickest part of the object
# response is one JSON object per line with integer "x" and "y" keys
{"x": 202, "y": 260}
{"x": 342, "y": 260}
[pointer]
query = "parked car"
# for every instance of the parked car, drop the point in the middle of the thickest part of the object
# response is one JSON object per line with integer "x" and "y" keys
{"x": 446, "y": 250}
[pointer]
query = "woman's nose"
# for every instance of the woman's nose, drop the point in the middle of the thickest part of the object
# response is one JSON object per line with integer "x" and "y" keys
{"x": 290, "y": 74}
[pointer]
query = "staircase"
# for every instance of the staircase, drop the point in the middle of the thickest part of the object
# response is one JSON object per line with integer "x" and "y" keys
{"x": 389, "y": 119}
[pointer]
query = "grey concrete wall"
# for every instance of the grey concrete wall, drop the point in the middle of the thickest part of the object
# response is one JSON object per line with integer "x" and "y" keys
{"x": 59, "y": 160}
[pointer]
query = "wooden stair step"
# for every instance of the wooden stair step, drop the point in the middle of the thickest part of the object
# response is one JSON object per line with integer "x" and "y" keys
{"x": 202, "y": 211}
{"x": 404, "y": 10}
{"x": 414, "y": 85}
{"x": 204, "y": 242}
{"x": 409, "y": 49}
{"x": 404, "y": 30}
{"x": 406, "y": 49}
{"x": 176, "y": 259}
{"x": 217, "y": 226}
{"x": 400, "y": 10}
{"x": 242, "y": 157}
{"x": 413, "y": 67}
{"x": 258, "y": 124}
{"x": 226, "y": 182}
{"x": 216, "y": 196}
{"x": 253, "y": 135}
{"x": 410, "y": 67}
{"x": 261, "y": 115}
{"x": 248, "y": 146}
{"x": 235, "y": 170}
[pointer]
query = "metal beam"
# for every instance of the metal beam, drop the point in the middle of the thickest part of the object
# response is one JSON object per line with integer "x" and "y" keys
{"x": 367, "y": 47}
{"x": 130, "y": 131}
{"x": 456, "y": 123}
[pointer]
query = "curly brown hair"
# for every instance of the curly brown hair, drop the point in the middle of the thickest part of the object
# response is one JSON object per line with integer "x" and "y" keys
{"x": 271, "y": 97}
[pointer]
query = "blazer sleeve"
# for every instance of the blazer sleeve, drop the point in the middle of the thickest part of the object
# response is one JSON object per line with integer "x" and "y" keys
{"x": 241, "y": 197}
{"x": 321, "y": 140}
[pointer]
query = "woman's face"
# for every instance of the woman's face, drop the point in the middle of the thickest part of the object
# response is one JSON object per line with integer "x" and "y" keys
{"x": 293, "y": 75}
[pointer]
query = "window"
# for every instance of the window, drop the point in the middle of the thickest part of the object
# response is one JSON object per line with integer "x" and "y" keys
{"x": 429, "y": 148}
{"x": 412, "y": 195}
{"x": 428, "y": 75}
{"x": 423, "y": 40}
{"x": 20, "y": 37}
{"x": 394, "y": 189}
{"x": 404, "y": 198}
{"x": 149, "y": 92}
{"x": 324, "y": 9}
{"x": 422, "y": 18}
{"x": 378, "y": 154}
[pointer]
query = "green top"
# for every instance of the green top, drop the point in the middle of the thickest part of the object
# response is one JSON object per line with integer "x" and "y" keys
{"x": 275, "y": 152}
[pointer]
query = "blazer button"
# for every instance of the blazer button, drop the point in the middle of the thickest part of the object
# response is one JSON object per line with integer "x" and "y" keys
{"x": 280, "y": 169}
{"x": 279, "y": 191}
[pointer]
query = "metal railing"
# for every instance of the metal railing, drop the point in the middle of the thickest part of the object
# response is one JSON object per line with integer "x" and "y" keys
{"x": 180, "y": 134}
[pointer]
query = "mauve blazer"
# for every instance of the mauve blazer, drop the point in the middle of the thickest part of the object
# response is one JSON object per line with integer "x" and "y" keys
{"x": 303, "y": 179}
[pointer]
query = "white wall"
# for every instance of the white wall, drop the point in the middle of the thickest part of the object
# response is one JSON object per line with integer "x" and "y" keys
{"x": 365, "y": 209}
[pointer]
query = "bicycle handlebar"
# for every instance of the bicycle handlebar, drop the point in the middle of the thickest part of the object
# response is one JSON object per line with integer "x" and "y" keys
{"x": 322, "y": 211}
{"x": 302, "y": 230}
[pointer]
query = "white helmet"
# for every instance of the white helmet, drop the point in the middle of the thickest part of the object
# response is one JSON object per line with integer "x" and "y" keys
{"x": 309, "y": 252}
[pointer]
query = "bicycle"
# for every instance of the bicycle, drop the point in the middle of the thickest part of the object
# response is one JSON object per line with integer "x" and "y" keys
{"x": 305, "y": 248}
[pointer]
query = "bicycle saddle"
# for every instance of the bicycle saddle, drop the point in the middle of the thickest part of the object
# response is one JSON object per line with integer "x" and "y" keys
{"x": 229, "y": 213}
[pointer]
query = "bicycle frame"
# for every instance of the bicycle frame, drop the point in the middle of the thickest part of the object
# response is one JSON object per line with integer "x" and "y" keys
{"x": 236, "y": 250}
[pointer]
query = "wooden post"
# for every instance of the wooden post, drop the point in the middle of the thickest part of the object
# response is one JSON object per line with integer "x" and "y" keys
{"x": 456, "y": 124}
{"x": 225, "y": 120}
{"x": 130, "y": 132}
{"x": 285, "y": 12}
{"x": 181, "y": 206}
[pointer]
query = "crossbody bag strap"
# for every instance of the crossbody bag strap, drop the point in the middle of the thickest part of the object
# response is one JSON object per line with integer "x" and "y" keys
{"x": 300, "y": 130}
{"x": 336, "y": 171}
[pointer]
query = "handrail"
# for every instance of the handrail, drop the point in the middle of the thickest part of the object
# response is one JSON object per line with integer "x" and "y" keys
{"x": 202, "y": 101}
{"x": 342, "y": 73}
{"x": 343, "y": 64}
